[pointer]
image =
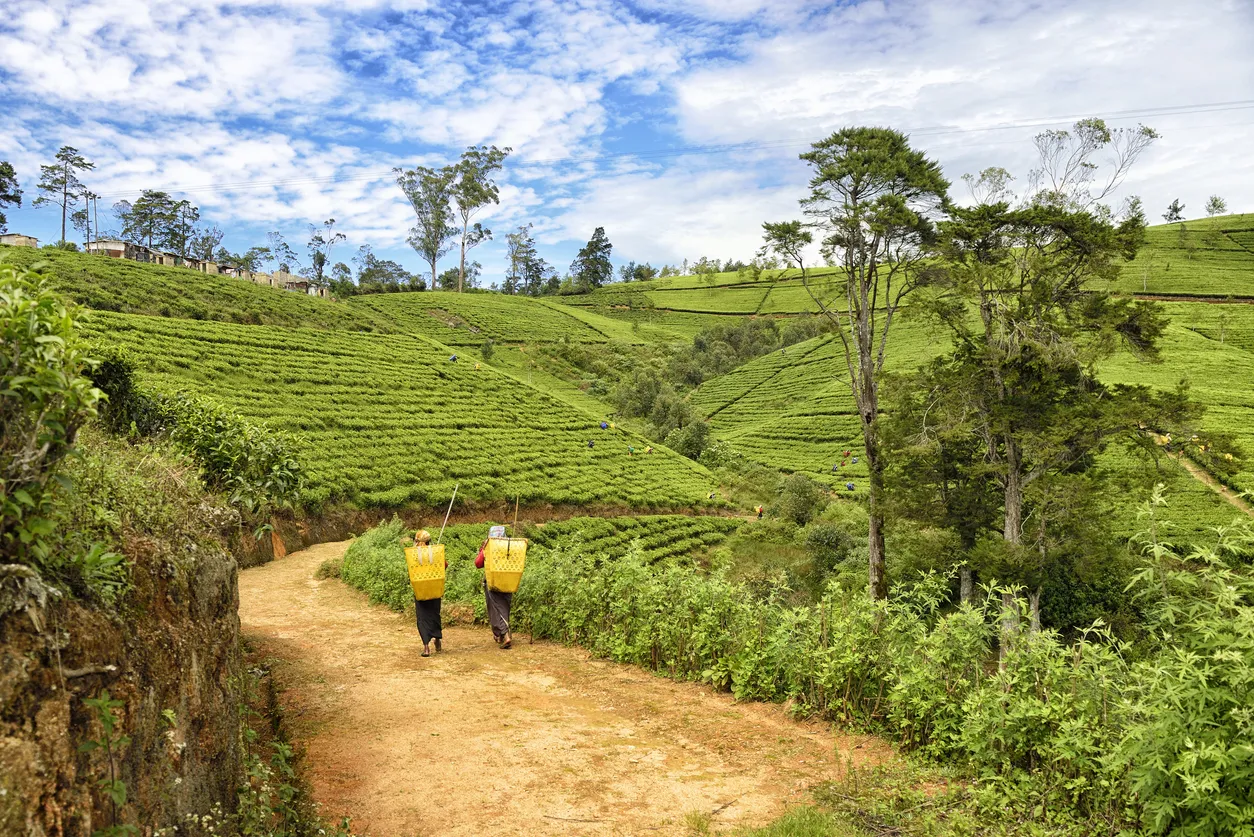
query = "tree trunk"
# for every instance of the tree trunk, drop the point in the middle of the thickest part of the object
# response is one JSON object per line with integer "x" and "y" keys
{"x": 1013, "y": 528}
{"x": 966, "y": 584}
{"x": 461, "y": 271}
{"x": 877, "y": 576}
{"x": 65, "y": 199}
{"x": 433, "y": 284}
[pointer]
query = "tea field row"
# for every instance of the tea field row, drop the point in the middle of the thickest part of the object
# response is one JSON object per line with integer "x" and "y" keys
{"x": 392, "y": 421}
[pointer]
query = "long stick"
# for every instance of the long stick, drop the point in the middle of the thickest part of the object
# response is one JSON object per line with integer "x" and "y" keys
{"x": 517, "y": 497}
{"x": 447, "y": 513}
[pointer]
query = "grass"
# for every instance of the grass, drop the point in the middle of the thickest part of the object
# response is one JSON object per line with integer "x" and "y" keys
{"x": 389, "y": 421}
{"x": 1211, "y": 257}
{"x": 131, "y": 287}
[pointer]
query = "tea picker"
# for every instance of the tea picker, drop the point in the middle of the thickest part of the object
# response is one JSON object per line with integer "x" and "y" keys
{"x": 502, "y": 560}
{"x": 427, "y": 568}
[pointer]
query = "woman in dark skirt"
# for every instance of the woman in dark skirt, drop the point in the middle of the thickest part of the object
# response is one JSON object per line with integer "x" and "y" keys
{"x": 427, "y": 612}
{"x": 498, "y": 603}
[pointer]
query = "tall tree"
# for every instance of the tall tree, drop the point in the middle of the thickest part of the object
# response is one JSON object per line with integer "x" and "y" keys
{"x": 148, "y": 220}
{"x": 473, "y": 189}
{"x": 205, "y": 242}
{"x": 10, "y": 193}
{"x": 81, "y": 221}
{"x": 180, "y": 227}
{"x": 59, "y": 182}
{"x": 251, "y": 260}
{"x": 591, "y": 267}
{"x": 429, "y": 192}
{"x": 280, "y": 252}
{"x": 320, "y": 243}
{"x": 873, "y": 200}
{"x": 1175, "y": 212}
{"x": 1215, "y": 205}
{"x": 1026, "y": 298}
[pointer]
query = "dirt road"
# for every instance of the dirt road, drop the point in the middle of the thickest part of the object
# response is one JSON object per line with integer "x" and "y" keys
{"x": 538, "y": 740}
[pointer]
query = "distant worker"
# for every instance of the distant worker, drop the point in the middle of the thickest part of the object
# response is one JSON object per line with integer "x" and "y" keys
{"x": 591, "y": 443}
{"x": 758, "y": 508}
{"x": 849, "y": 486}
{"x": 631, "y": 450}
{"x": 710, "y": 496}
{"x": 452, "y": 358}
{"x": 649, "y": 449}
{"x": 478, "y": 367}
{"x": 605, "y": 426}
{"x": 498, "y": 603}
{"x": 427, "y": 612}
{"x": 855, "y": 460}
{"x": 611, "y": 425}
{"x": 835, "y": 468}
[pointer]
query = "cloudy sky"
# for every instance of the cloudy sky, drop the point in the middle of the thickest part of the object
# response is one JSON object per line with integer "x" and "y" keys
{"x": 676, "y": 126}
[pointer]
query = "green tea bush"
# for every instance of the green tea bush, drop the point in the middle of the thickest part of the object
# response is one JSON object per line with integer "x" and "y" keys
{"x": 45, "y": 397}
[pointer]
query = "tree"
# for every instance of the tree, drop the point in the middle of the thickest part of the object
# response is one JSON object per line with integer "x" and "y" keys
{"x": 320, "y": 243}
{"x": 280, "y": 251}
{"x": 205, "y": 242}
{"x": 180, "y": 227}
{"x": 591, "y": 267}
{"x": 632, "y": 272}
{"x": 429, "y": 192}
{"x": 1175, "y": 212}
{"x": 472, "y": 190}
{"x": 10, "y": 194}
{"x": 1215, "y": 205}
{"x": 375, "y": 275}
{"x": 59, "y": 182}
{"x": 1025, "y": 297}
{"x": 872, "y": 199}
{"x": 81, "y": 221}
{"x": 148, "y": 220}
{"x": 454, "y": 280}
{"x": 252, "y": 260}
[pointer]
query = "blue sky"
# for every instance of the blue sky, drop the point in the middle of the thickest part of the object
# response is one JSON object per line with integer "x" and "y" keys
{"x": 277, "y": 114}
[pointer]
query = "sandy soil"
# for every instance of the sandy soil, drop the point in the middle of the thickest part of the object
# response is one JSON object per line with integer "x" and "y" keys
{"x": 1215, "y": 485}
{"x": 537, "y": 740}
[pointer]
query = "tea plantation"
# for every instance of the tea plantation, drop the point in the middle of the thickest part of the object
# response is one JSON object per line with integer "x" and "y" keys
{"x": 391, "y": 420}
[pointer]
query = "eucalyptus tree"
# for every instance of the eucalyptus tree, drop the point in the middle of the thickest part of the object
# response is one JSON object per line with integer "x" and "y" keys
{"x": 472, "y": 190}
{"x": 430, "y": 192}
{"x": 59, "y": 183}
{"x": 321, "y": 240}
{"x": 873, "y": 203}
{"x": 1215, "y": 205}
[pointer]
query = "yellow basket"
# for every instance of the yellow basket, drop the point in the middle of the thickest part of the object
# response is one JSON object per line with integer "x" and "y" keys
{"x": 503, "y": 562}
{"x": 426, "y": 571}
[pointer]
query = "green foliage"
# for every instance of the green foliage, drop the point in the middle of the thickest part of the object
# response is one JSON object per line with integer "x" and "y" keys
{"x": 429, "y": 421}
{"x": 591, "y": 268}
{"x": 251, "y": 464}
{"x": 126, "y": 410}
{"x": 44, "y": 398}
{"x": 689, "y": 441}
{"x": 111, "y": 742}
{"x": 798, "y": 499}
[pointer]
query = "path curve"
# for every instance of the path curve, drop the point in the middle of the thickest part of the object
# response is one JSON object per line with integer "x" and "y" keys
{"x": 540, "y": 740}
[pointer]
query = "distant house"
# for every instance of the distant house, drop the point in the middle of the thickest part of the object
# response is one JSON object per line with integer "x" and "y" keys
{"x": 19, "y": 240}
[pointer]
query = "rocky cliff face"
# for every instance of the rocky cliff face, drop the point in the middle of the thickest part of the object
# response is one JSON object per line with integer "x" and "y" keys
{"x": 169, "y": 652}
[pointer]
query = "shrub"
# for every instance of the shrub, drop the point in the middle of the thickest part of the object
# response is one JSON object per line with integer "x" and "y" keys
{"x": 689, "y": 441}
{"x": 798, "y": 499}
{"x": 44, "y": 398}
{"x": 126, "y": 410}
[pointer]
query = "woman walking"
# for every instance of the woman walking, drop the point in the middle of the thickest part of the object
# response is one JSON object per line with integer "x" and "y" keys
{"x": 498, "y": 603}
{"x": 427, "y": 611}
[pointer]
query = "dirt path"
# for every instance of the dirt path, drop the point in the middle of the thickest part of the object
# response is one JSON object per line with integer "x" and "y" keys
{"x": 539, "y": 740}
{"x": 1201, "y": 474}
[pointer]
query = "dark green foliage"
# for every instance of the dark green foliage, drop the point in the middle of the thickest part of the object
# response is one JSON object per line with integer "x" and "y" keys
{"x": 690, "y": 440}
{"x": 798, "y": 499}
{"x": 45, "y": 397}
{"x": 125, "y": 409}
{"x": 251, "y": 464}
{"x": 10, "y": 193}
{"x": 591, "y": 268}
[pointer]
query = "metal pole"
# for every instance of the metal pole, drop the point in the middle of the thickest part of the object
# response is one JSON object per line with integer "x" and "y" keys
{"x": 447, "y": 513}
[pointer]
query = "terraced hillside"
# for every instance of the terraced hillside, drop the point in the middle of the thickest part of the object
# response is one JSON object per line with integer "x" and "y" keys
{"x": 135, "y": 288}
{"x": 390, "y": 420}
{"x": 1212, "y": 257}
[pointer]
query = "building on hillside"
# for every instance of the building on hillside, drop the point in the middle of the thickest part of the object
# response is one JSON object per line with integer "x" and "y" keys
{"x": 19, "y": 240}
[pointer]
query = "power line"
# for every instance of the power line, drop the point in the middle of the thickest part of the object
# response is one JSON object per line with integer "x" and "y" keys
{"x": 724, "y": 148}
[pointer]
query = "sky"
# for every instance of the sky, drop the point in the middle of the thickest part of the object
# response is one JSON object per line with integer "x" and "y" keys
{"x": 675, "y": 126}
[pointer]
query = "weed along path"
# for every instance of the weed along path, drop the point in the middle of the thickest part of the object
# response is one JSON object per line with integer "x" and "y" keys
{"x": 539, "y": 740}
